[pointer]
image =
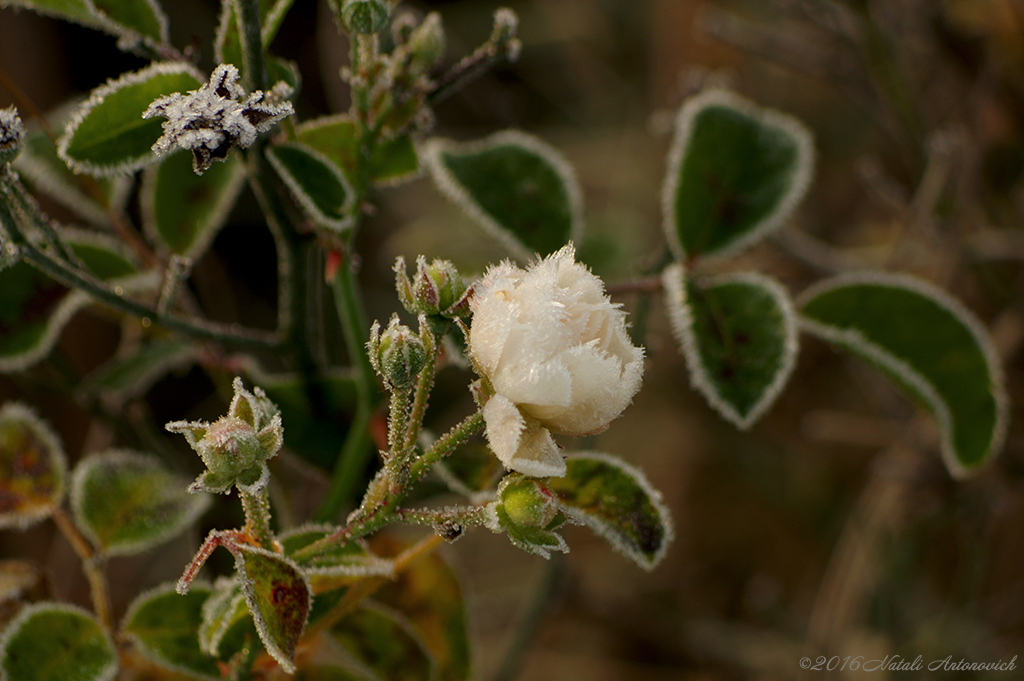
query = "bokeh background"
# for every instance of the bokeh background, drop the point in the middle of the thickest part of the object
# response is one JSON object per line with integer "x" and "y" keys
{"x": 829, "y": 528}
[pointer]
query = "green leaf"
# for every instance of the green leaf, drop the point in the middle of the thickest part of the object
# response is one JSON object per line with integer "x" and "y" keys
{"x": 739, "y": 336}
{"x": 517, "y": 187}
{"x": 320, "y": 188}
{"x": 32, "y": 467}
{"x": 108, "y": 135}
{"x": 735, "y": 172}
{"x": 341, "y": 565}
{"x": 45, "y": 173}
{"x": 126, "y": 502}
{"x": 56, "y": 642}
{"x": 225, "y": 621}
{"x": 428, "y": 593}
{"x": 391, "y": 162}
{"x": 930, "y": 344}
{"x": 616, "y": 501}
{"x": 144, "y": 17}
{"x": 535, "y": 540}
{"x": 227, "y": 43}
{"x": 105, "y": 256}
{"x": 383, "y": 641}
{"x": 183, "y": 211}
{"x": 77, "y": 11}
{"x": 162, "y": 624}
{"x": 279, "y": 597}
{"x": 132, "y": 375}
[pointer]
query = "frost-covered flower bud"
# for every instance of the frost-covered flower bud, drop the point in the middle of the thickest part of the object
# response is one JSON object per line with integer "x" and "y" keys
{"x": 426, "y": 44}
{"x": 12, "y": 134}
{"x": 555, "y": 358}
{"x": 398, "y": 354}
{"x": 364, "y": 16}
{"x": 437, "y": 289}
{"x": 526, "y": 503}
{"x": 235, "y": 447}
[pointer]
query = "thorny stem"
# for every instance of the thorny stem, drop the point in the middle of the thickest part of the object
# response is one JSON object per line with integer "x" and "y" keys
{"x": 228, "y": 334}
{"x": 92, "y": 565}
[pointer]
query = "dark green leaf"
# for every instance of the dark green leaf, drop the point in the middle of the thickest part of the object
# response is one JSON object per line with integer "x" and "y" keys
{"x": 126, "y": 502}
{"x": 183, "y": 210}
{"x": 735, "y": 172}
{"x": 225, "y": 621}
{"x": 279, "y": 597}
{"x": 383, "y": 641}
{"x": 108, "y": 135}
{"x": 32, "y": 467}
{"x": 132, "y": 375}
{"x": 77, "y": 11}
{"x": 428, "y": 593}
{"x": 617, "y": 502}
{"x": 56, "y": 642}
{"x": 739, "y": 335}
{"x": 341, "y": 565}
{"x": 931, "y": 345}
{"x": 163, "y": 625}
{"x": 337, "y": 137}
{"x": 519, "y": 188}
{"x": 320, "y": 188}
{"x": 141, "y": 16}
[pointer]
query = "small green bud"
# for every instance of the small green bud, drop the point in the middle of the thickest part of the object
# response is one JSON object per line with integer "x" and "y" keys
{"x": 12, "y": 134}
{"x": 436, "y": 290}
{"x": 427, "y": 44}
{"x": 398, "y": 354}
{"x": 364, "y": 17}
{"x": 527, "y": 503}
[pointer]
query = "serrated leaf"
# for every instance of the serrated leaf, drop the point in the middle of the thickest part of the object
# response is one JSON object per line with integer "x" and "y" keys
{"x": 337, "y": 137}
{"x": 183, "y": 211}
{"x": 384, "y": 642}
{"x": 108, "y": 135}
{"x": 735, "y": 172}
{"x": 279, "y": 597}
{"x": 319, "y": 187}
{"x": 45, "y": 173}
{"x": 56, "y": 642}
{"x": 134, "y": 374}
{"x": 32, "y": 467}
{"x": 341, "y": 565}
{"x": 739, "y": 336}
{"x": 930, "y": 343}
{"x": 162, "y": 624}
{"x": 428, "y": 593}
{"x": 535, "y": 540}
{"x": 126, "y": 502}
{"x": 617, "y": 502}
{"x": 517, "y": 187}
{"x": 227, "y": 43}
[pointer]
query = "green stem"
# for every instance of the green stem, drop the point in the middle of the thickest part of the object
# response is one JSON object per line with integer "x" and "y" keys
{"x": 255, "y": 76}
{"x": 228, "y": 334}
{"x": 256, "y": 506}
{"x": 424, "y": 384}
{"x": 463, "y": 515}
{"x": 355, "y": 453}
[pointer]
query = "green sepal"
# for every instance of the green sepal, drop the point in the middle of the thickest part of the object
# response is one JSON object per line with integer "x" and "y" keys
{"x": 107, "y": 135}
{"x": 392, "y": 161}
{"x": 520, "y": 189}
{"x": 126, "y": 502}
{"x": 735, "y": 173}
{"x": 183, "y": 211}
{"x": 535, "y": 540}
{"x": 317, "y": 184}
{"x": 739, "y": 335}
{"x": 56, "y": 642}
{"x": 279, "y": 597}
{"x": 429, "y": 594}
{"x": 617, "y": 502}
{"x": 385, "y": 642}
{"x": 33, "y": 467}
{"x": 930, "y": 344}
{"x": 162, "y": 624}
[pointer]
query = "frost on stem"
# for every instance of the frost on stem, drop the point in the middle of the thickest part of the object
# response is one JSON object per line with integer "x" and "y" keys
{"x": 217, "y": 116}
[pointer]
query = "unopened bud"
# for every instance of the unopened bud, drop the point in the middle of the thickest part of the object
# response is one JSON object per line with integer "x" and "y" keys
{"x": 12, "y": 134}
{"x": 527, "y": 503}
{"x": 436, "y": 290}
{"x": 364, "y": 16}
{"x": 398, "y": 354}
{"x": 427, "y": 43}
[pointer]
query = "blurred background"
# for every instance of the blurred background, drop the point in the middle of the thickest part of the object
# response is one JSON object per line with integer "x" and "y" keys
{"x": 831, "y": 527}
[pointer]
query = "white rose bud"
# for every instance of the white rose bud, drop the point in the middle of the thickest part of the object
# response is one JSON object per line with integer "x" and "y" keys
{"x": 555, "y": 352}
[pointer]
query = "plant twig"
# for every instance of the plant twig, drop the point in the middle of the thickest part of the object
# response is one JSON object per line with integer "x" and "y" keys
{"x": 92, "y": 565}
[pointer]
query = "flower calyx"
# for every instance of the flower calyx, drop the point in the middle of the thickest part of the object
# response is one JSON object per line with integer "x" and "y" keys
{"x": 217, "y": 116}
{"x": 397, "y": 355}
{"x": 237, "y": 446}
{"x": 527, "y": 502}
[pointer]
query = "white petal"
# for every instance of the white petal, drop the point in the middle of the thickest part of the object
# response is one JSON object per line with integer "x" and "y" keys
{"x": 504, "y": 428}
{"x": 538, "y": 455}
